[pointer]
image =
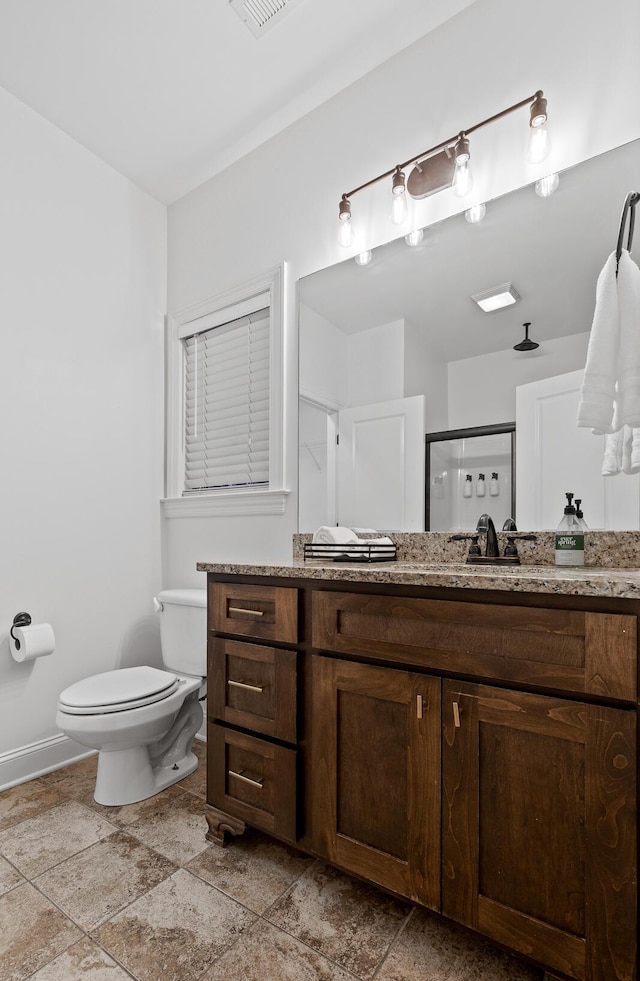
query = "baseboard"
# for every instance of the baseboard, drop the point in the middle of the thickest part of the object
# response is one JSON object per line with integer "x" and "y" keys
{"x": 27, "y": 762}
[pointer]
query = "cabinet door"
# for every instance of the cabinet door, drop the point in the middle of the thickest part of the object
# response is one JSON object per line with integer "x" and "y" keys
{"x": 376, "y": 773}
{"x": 539, "y": 841}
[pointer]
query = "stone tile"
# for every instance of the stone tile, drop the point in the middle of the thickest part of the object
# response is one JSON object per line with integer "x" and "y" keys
{"x": 175, "y": 931}
{"x": 174, "y": 826}
{"x": 254, "y": 869}
{"x": 88, "y": 765}
{"x": 85, "y": 961}
{"x": 122, "y": 815}
{"x": 39, "y": 843}
{"x": 100, "y": 881}
{"x": 434, "y": 949}
{"x": 26, "y": 800}
{"x": 9, "y": 877}
{"x": 196, "y": 782}
{"x": 264, "y": 953}
{"x": 351, "y": 923}
{"x": 32, "y": 932}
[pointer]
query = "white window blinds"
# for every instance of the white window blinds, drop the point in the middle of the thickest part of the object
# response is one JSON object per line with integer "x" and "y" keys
{"x": 226, "y": 408}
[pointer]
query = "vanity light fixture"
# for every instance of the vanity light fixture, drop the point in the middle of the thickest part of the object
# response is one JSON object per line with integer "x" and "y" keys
{"x": 545, "y": 187}
{"x": 497, "y": 297}
{"x": 446, "y": 164}
{"x": 475, "y": 213}
{"x": 364, "y": 258}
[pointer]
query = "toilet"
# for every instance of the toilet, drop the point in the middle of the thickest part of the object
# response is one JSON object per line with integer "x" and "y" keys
{"x": 143, "y": 720}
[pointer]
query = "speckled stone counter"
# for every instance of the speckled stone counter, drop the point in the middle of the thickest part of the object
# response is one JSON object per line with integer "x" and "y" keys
{"x": 612, "y": 566}
{"x": 602, "y": 582}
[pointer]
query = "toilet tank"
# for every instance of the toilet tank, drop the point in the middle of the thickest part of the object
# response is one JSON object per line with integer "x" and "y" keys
{"x": 183, "y": 630}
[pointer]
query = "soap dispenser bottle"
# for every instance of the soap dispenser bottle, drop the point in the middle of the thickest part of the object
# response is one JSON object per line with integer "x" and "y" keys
{"x": 494, "y": 487}
{"x": 580, "y": 516}
{"x": 467, "y": 489}
{"x": 481, "y": 487}
{"x": 569, "y": 548}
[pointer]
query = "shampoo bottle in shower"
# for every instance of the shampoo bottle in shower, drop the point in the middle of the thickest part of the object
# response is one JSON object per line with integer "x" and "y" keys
{"x": 494, "y": 487}
{"x": 467, "y": 488}
{"x": 481, "y": 488}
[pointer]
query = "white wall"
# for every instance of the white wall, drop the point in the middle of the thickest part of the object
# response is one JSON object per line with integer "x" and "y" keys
{"x": 82, "y": 298}
{"x": 482, "y": 390}
{"x": 235, "y": 226}
{"x": 323, "y": 360}
{"x": 425, "y": 374}
{"x": 376, "y": 364}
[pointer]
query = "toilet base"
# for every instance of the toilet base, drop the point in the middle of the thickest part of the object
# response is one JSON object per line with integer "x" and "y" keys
{"x": 126, "y": 776}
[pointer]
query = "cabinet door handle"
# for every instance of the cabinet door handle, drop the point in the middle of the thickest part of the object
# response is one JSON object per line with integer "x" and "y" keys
{"x": 419, "y": 706}
{"x": 242, "y": 684}
{"x": 241, "y": 776}
{"x": 456, "y": 715}
{"x": 251, "y": 613}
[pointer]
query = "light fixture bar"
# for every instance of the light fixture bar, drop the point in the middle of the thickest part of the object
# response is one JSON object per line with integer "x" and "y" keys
{"x": 536, "y": 98}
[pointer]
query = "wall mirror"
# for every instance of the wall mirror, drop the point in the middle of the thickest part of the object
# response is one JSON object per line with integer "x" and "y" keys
{"x": 405, "y": 329}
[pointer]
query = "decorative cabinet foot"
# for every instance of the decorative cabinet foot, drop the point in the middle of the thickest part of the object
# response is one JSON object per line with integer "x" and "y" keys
{"x": 222, "y": 825}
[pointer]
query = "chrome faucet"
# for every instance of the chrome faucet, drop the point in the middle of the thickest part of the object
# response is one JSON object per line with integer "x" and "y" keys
{"x": 485, "y": 524}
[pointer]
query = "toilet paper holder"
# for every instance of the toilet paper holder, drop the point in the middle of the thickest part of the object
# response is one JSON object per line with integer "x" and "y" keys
{"x": 19, "y": 620}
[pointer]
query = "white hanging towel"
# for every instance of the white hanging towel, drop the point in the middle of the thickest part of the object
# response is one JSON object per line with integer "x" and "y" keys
{"x": 621, "y": 452}
{"x": 628, "y": 389}
{"x": 598, "y": 392}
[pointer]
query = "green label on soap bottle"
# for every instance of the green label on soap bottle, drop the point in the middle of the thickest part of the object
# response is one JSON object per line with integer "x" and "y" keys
{"x": 573, "y": 543}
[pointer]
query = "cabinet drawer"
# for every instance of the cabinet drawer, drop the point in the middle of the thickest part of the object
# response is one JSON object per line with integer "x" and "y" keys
{"x": 253, "y": 687}
{"x": 265, "y": 612}
{"x": 252, "y": 779}
{"x": 567, "y": 650}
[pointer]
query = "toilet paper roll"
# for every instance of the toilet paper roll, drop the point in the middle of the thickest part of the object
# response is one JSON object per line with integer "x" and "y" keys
{"x": 36, "y": 640}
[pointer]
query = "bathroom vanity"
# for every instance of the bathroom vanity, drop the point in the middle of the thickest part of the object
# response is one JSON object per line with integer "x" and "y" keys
{"x": 463, "y": 737}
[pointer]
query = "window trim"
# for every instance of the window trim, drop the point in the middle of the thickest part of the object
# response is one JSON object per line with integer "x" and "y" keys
{"x": 228, "y": 501}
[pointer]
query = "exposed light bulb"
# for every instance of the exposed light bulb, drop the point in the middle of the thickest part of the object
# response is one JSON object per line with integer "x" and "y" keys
{"x": 399, "y": 209}
{"x": 475, "y": 213}
{"x": 547, "y": 185}
{"x": 462, "y": 178}
{"x": 364, "y": 258}
{"x": 539, "y": 146}
{"x": 415, "y": 237}
{"x": 345, "y": 233}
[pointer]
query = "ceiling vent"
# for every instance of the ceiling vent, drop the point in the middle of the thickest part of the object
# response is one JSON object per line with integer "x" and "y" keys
{"x": 261, "y": 15}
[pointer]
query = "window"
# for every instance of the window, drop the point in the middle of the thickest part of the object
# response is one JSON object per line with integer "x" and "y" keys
{"x": 225, "y": 403}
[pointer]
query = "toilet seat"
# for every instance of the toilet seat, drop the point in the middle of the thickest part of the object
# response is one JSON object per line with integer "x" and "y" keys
{"x": 118, "y": 691}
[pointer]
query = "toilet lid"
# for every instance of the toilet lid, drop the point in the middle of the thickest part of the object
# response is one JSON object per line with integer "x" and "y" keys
{"x": 117, "y": 691}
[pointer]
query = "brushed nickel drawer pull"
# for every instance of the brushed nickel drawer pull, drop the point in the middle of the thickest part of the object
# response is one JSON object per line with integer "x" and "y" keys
{"x": 251, "y": 613}
{"x": 241, "y": 776}
{"x": 456, "y": 715}
{"x": 419, "y": 706}
{"x": 242, "y": 684}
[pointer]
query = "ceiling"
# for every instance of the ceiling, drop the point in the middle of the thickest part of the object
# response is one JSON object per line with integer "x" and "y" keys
{"x": 551, "y": 249}
{"x": 170, "y": 92}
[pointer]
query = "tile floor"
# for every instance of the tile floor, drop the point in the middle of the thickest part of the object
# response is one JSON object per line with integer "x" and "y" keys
{"x": 90, "y": 893}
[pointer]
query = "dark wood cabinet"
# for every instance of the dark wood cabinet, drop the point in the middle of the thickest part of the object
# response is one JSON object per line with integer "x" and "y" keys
{"x": 539, "y": 826}
{"x": 375, "y": 769}
{"x": 475, "y": 755}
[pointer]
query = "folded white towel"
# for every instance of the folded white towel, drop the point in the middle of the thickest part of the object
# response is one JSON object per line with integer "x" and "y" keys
{"x": 596, "y": 405}
{"x": 628, "y": 389}
{"x": 336, "y": 535}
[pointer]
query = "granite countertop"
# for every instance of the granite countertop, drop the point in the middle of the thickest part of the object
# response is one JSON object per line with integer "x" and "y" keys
{"x": 583, "y": 581}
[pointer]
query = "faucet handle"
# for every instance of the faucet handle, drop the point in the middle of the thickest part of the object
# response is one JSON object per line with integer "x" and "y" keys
{"x": 474, "y": 548}
{"x": 509, "y": 525}
{"x": 511, "y": 547}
